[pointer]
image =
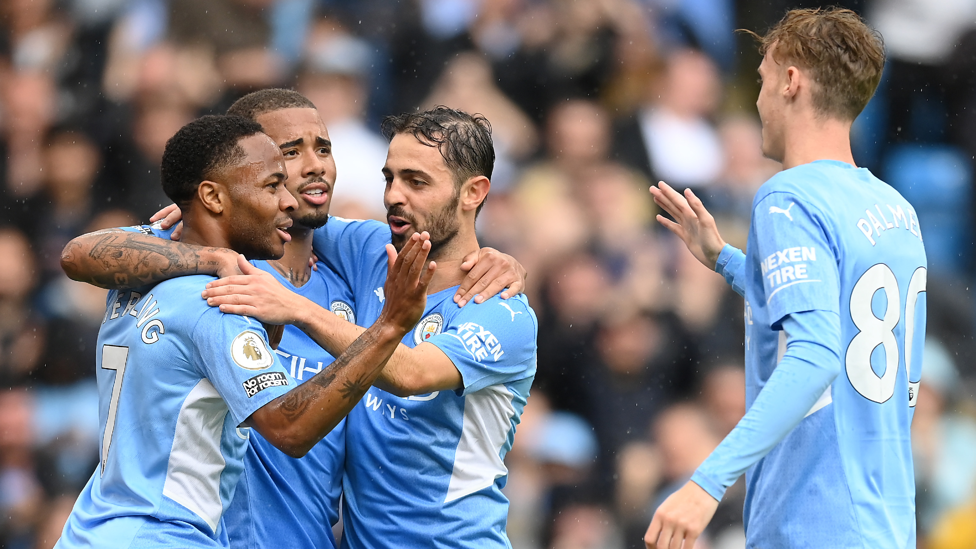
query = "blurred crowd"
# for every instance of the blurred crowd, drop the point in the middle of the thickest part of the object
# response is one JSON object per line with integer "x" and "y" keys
{"x": 640, "y": 370}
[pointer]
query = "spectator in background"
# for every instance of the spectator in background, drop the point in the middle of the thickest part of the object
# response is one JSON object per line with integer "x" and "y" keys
{"x": 21, "y": 493}
{"x": 29, "y": 110}
{"x": 744, "y": 170}
{"x": 943, "y": 440}
{"x": 467, "y": 83}
{"x": 643, "y": 362}
{"x": 67, "y": 202}
{"x": 21, "y": 330}
{"x": 673, "y": 137}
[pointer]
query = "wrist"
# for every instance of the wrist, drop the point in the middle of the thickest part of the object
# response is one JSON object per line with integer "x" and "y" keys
{"x": 216, "y": 261}
{"x": 388, "y": 328}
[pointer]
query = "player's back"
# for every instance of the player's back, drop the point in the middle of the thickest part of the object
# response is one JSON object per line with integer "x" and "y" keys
{"x": 170, "y": 449}
{"x": 843, "y": 477}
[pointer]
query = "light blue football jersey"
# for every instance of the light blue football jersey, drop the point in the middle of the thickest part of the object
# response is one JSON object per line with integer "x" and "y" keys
{"x": 827, "y": 236}
{"x": 427, "y": 470}
{"x": 175, "y": 380}
{"x": 281, "y": 500}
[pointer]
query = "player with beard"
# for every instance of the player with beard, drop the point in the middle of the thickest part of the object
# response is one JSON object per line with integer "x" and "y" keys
{"x": 281, "y": 498}
{"x": 425, "y": 447}
{"x": 179, "y": 384}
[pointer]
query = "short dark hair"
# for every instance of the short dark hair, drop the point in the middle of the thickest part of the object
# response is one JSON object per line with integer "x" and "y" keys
{"x": 463, "y": 140}
{"x": 257, "y": 103}
{"x": 845, "y": 56}
{"x": 199, "y": 150}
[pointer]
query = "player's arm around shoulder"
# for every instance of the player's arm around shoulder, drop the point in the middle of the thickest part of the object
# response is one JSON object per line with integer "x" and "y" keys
{"x": 479, "y": 345}
{"x": 127, "y": 258}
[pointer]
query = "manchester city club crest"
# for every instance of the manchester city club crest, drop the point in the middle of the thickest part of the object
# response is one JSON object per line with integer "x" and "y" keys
{"x": 430, "y": 326}
{"x": 251, "y": 352}
{"x": 343, "y": 310}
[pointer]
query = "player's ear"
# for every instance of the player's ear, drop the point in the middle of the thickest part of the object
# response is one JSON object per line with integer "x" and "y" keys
{"x": 793, "y": 77}
{"x": 213, "y": 195}
{"x": 473, "y": 192}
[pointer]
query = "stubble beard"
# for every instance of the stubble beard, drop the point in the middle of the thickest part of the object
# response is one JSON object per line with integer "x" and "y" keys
{"x": 443, "y": 226}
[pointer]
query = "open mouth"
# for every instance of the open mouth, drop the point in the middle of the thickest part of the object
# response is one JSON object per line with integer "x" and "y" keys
{"x": 315, "y": 194}
{"x": 398, "y": 225}
{"x": 282, "y": 230}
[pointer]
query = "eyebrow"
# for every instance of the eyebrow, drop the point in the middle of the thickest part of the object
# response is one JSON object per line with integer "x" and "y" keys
{"x": 296, "y": 142}
{"x": 409, "y": 172}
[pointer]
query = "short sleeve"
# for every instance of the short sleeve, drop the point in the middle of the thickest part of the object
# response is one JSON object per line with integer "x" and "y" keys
{"x": 797, "y": 260}
{"x": 491, "y": 343}
{"x": 237, "y": 359}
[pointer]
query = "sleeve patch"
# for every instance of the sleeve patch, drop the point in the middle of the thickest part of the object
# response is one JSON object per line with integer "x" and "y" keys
{"x": 264, "y": 381}
{"x": 251, "y": 352}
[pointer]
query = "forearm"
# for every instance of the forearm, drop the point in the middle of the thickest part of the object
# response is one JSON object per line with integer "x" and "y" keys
{"x": 297, "y": 420}
{"x": 120, "y": 259}
{"x": 336, "y": 335}
{"x": 809, "y": 366}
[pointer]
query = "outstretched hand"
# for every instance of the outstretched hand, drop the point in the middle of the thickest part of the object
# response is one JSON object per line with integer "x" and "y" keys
{"x": 256, "y": 294}
{"x": 692, "y": 222}
{"x": 489, "y": 272}
{"x": 408, "y": 276}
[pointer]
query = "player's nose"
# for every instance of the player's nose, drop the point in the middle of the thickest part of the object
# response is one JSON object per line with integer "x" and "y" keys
{"x": 286, "y": 200}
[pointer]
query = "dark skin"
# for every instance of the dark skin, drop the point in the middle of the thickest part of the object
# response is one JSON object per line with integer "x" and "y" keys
{"x": 252, "y": 196}
{"x": 294, "y": 422}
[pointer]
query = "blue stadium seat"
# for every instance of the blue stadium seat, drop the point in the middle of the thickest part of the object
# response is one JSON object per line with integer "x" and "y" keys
{"x": 937, "y": 181}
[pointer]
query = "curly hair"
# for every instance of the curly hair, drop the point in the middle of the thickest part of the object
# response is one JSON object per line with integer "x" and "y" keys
{"x": 463, "y": 140}
{"x": 845, "y": 56}
{"x": 257, "y": 103}
{"x": 200, "y": 150}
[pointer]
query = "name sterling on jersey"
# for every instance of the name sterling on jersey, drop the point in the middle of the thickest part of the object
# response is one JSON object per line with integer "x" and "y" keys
{"x": 794, "y": 272}
{"x": 151, "y": 327}
{"x": 872, "y": 226}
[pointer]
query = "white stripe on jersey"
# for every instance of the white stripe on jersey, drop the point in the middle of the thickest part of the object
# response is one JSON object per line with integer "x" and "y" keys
{"x": 487, "y": 422}
{"x": 196, "y": 462}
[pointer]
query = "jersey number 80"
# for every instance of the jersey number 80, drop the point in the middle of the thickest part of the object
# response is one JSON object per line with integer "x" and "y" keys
{"x": 874, "y": 331}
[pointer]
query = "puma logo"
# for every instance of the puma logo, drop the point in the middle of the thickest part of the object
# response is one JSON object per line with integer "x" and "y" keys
{"x": 511, "y": 311}
{"x": 786, "y": 212}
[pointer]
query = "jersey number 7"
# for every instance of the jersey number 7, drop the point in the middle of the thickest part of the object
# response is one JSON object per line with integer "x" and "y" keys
{"x": 113, "y": 358}
{"x": 874, "y": 331}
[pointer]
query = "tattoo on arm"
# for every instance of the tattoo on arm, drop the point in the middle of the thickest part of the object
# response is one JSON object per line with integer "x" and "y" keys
{"x": 297, "y": 401}
{"x": 120, "y": 259}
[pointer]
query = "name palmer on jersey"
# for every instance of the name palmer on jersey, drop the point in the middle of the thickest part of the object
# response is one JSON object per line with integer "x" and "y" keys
{"x": 872, "y": 226}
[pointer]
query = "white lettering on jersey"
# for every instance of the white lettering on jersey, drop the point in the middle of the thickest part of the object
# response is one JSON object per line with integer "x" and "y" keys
{"x": 786, "y": 212}
{"x": 298, "y": 367}
{"x": 153, "y": 327}
{"x": 379, "y": 294}
{"x": 375, "y": 404}
{"x": 872, "y": 227}
{"x": 795, "y": 273}
{"x": 479, "y": 342}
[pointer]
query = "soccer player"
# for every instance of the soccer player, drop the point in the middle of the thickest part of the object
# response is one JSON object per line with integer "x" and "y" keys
{"x": 834, "y": 278}
{"x": 179, "y": 384}
{"x": 279, "y": 497}
{"x": 425, "y": 447}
